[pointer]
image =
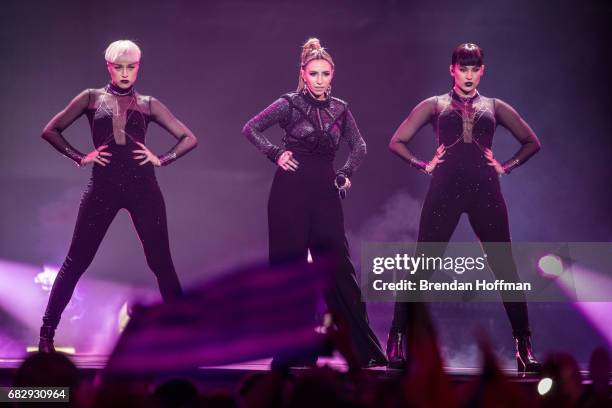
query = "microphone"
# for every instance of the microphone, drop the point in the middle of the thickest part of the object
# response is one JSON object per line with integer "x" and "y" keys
{"x": 340, "y": 183}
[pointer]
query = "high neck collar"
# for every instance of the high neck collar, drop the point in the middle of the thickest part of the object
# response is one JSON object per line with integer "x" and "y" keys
{"x": 463, "y": 99}
{"x": 115, "y": 90}
{"x": 317, "y": 103}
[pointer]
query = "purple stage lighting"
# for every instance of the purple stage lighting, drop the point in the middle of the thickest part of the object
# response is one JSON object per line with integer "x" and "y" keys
{"x": 551, "y": 266}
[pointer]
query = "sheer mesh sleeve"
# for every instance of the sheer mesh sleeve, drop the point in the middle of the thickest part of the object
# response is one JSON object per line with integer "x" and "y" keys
{"x": 52, "y": 133}
{"x": 355, "y": 141}
{"x": 419, "y": 117}
{"x": 278, "y": 112}
{"x": 186, "y": 139}
{"x": 512, "y": 121}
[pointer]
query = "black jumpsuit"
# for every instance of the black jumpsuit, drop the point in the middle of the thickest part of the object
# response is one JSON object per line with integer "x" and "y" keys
{"x": 465, "y": 183}
{"x": 304, "y": 209}
{"x": 118, "y": 118}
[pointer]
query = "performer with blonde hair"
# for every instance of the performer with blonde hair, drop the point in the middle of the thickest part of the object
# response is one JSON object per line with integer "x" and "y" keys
{"x": 304, "y": 208}
{"x": 123, "y": 176}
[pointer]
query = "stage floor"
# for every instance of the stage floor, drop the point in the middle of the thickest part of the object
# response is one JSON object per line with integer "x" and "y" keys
{"x": 214, "y": 377}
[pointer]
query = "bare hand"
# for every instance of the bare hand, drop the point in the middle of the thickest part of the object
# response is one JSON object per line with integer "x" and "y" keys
{"x": 493, "y": 163}
{"x": 147, "y": 155}
{"x": 437, "y": 159}
{"x": 97, "y": 156}
{"x": 287, "y": 162}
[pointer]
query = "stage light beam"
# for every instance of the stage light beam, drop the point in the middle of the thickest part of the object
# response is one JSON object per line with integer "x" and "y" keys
{"x": 551, "y": 266}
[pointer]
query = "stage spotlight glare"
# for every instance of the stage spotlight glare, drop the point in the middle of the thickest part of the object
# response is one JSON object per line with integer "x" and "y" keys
{"x": 65, "y": 350}
{"x": 46, "y": 277}
{"x": 551, "y": 266}
{"x": 123, "y": 318}
{"x": 544, "y": 385}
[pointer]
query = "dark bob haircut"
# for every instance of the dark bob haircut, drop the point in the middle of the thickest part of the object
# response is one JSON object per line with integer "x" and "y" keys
{"x": 468, "y": 54}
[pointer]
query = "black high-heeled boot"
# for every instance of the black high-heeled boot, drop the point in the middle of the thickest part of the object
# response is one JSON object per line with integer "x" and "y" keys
{"x": 45, "y": 344}
{"x": 396, "y": 349}
{"x": 526, "y": 362}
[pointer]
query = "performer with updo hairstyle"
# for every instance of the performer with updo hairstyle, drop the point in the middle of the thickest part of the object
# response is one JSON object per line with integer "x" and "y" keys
{"x": 122, "y": 176}
{"x": 304, "y": 208}
{"x": 465, "y": 179}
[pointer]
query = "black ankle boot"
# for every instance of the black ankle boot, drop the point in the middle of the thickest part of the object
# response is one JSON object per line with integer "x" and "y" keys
{"x": 525, "y": 360}
{"x": 45, "y": 344}
{"x": 396, "y": 349}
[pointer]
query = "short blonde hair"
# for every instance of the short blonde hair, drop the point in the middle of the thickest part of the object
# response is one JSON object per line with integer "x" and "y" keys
{"x": 122, "y": 49}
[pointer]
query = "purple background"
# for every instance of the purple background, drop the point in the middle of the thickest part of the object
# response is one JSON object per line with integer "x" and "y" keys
{"x": 216, "y": 64}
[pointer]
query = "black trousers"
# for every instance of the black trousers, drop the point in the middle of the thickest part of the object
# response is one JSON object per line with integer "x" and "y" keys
{"x": 101, "y": 201}
{"x": 305, "y": 213}
{"x": 476, "y": 192}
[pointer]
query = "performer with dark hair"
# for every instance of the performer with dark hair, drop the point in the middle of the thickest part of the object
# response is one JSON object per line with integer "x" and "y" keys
{"x": 304, "y": 209}
{"x": 465, "y": 179}
{"x": 122, "y": 177}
